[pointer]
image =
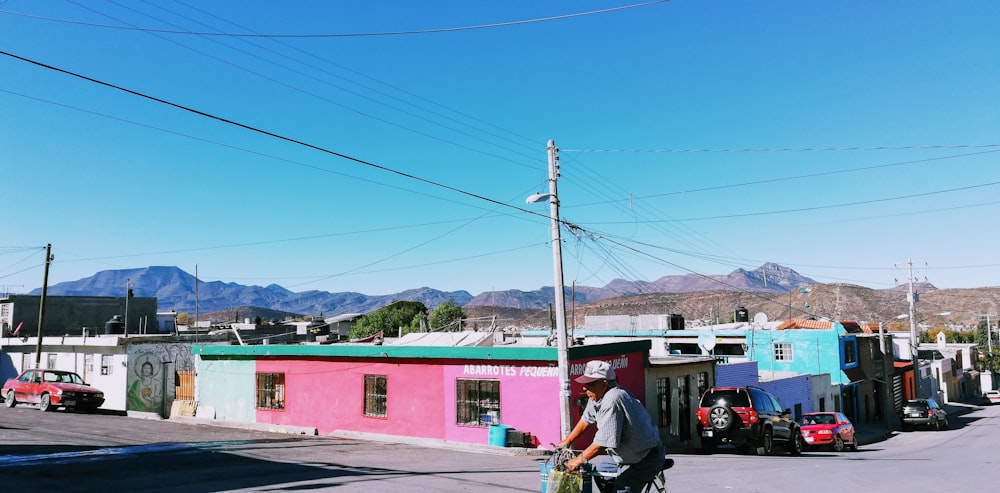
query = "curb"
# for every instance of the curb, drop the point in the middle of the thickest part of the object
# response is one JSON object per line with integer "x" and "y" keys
{"x": 436, "y": 443}
{"x": 271, "y": 428}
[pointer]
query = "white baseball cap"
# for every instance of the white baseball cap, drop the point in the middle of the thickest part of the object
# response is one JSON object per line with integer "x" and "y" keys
{"x": 596, "y": 370}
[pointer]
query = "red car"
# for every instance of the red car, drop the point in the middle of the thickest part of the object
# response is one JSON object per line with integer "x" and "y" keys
{"x": 51, "y": 389}
{"x": 828, "y": 429}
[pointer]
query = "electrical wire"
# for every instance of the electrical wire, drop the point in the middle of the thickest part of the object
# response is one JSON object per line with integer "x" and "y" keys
{"x": 341, "y": 35}
{"x": 270, "y": 134}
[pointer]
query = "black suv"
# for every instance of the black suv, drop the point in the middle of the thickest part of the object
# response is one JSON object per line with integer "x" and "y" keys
{"x": 746, "y": 417}
{"x": 923, "y": 412}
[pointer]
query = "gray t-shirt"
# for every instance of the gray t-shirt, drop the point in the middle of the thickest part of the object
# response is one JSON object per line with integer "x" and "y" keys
{"x": 623, "y": 426}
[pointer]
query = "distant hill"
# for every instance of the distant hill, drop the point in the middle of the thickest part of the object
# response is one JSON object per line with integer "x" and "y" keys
{"x": 768, "y": 278}
{"x": 777, "y": 291}
{"x": 175, "y": 290}
{"x": 956, "y": 308}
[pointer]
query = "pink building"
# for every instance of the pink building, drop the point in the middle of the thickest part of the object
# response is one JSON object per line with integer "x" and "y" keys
{"x": 447, "y": 393}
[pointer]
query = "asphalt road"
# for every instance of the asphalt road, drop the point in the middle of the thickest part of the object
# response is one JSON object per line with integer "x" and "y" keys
{"x": 64, "y": 451}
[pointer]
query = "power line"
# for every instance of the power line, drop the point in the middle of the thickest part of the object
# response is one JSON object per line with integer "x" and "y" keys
{"x": 271, "y": 134}
{"x": 381, "y": 82}
{"x": 798, "y": 177}
{"x": 821, "y": 207}
{"x": 782, "y": 149}
{"x": 328, "y": 100}
{"x": 340, "y": 35}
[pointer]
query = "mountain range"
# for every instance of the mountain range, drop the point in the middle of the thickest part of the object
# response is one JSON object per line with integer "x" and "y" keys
{"x": 175, "y": 290}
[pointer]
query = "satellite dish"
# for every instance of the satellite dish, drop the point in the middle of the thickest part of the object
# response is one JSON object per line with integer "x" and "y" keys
{"x": 760, "y": 318}
{"x": 706, "y": 341}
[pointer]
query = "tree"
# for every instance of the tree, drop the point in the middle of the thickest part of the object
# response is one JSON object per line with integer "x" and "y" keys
{"x": 446, "y": 314}
{"x": 184, "y": 318}
{"x": 988, "y": 360}
{"x": 388, "y": 319}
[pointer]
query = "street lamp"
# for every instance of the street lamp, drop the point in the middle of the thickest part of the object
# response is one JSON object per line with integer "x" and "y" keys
{"x": 560, "y": 298}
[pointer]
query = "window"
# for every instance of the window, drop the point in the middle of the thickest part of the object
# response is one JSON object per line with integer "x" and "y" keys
{"x": 782, "y": 351}
{"x": 27, "y": 361}
{"x": 477, "y": 402}
{"x": 105, "y": 364}
{"x": 270, "y": 391}
{"x": 88, "y": 367}
{"x": 375, "y": 392}
{"x": 51, "y": 362}
{"x": 663, "y": 398}
{"x": 850, "y": 352}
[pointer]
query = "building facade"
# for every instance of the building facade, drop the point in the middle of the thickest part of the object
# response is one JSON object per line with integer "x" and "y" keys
{"x": 76, "y": 315}
{"x": 446, "y": 393}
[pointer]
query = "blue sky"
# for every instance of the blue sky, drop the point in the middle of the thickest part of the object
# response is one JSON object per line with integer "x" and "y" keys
{"x": 841, "y": 139}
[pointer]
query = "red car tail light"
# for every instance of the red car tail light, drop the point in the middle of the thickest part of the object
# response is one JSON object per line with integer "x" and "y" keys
{"x": 753, "y": 416}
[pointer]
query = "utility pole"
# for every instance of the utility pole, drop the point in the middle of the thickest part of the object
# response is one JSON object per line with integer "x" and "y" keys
{"x": 989, "y": 334}
{"x": 560, "y": 291}
{"x": 912, "y": 298}
{"x": 128, "y": 294}
{"x": 562, "y": 353}
{"x": 41, "y": 305}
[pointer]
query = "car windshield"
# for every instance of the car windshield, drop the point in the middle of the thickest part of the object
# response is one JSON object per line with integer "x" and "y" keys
{"x": 732, "y": 397}
{"x": 819, "y": 419}
{"x": 62, "y": 377}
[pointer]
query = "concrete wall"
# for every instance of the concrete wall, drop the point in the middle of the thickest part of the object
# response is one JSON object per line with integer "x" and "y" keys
{"x": 814, "y": 351}
{"x": 69, "y": 315}
{"x": 736, "y": 374}
{"x": 228, "y": 387}
{"x": 793, "y": 393}
{"x": 100, "y": 361}
{"x": 151, "y": 377}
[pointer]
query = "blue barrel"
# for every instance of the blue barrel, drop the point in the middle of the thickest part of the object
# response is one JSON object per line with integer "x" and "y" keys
{"x": 498, "y": 435}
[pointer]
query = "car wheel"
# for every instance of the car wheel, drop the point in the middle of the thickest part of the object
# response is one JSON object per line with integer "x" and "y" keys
{"x": 9, "y": 400}
{"x": 45, "y": 403}
{"x": 854, "y": 445}
{"x": 796, "y": 446}
{"x": 838, "y": 444}
{"x": 766, "y": 444}
{"x": 907, "y": 427}
{"x": 943, "y": 424}
{"x": 721, "y": 418}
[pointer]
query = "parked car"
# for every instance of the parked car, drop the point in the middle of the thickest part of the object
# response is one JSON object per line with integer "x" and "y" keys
{"x": 746, "y": 417}
{"x": 830, "y": 429}
{"x": 923, "y": 412}
{"x": 991, "y": 397}
{"x": 51, "y": 389}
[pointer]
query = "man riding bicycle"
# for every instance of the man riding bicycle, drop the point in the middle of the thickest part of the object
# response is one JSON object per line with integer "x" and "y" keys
{"x": 624, "y": 430}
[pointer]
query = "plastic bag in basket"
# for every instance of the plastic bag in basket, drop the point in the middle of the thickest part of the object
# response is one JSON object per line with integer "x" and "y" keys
{"x": 564, "y": 482}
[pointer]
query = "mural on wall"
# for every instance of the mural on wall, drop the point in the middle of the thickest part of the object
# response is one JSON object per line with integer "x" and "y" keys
{"x": 148, "y": 384}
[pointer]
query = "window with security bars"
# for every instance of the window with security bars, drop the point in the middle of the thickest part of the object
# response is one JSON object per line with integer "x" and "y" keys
{"x": 663, "y": 401}
{"x": 270, "y": 391}
{"x": 477, "y": 402}
{"x": 782, "y": 352}
{"x": 850, "y": 352}
{"x": 375, "y": 395}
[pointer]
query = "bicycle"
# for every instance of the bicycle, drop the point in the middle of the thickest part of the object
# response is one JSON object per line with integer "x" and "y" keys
{"x": 601, "y": 473}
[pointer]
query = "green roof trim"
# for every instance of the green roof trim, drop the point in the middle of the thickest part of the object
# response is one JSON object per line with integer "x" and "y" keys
{"x": 510, "y": 353}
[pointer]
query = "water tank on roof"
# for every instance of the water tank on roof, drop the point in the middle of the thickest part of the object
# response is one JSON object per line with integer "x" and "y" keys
{"x": 741, "y": 314}
{"x": 115, "y": 325}
{"x": 676, "y": 321}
